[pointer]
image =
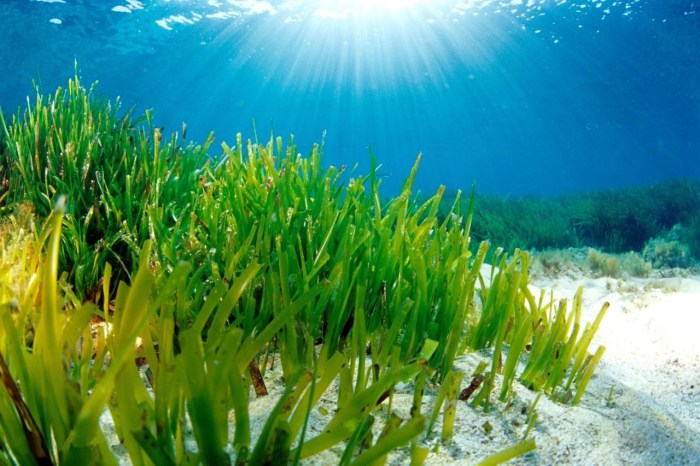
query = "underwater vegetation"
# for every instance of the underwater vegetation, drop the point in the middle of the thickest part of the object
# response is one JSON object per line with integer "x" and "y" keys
{"x": 223, "y": 266}
{"x": 661, "y": 222}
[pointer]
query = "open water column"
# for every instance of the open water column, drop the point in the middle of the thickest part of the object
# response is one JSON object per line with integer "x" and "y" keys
{"x": 521, "y": 96}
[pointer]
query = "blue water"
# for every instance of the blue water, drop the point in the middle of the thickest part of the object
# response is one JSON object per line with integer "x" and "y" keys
{"x": 523, "y": 97}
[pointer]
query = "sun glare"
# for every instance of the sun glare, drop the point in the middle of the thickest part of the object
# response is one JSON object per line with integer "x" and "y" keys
{"x": 348, "y": 8}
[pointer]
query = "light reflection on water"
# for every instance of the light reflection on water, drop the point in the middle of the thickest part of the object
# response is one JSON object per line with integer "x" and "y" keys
{"x": 550, "y": 95}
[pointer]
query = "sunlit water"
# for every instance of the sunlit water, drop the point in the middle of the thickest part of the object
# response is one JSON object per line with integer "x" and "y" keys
{"x": 522, "y": 96}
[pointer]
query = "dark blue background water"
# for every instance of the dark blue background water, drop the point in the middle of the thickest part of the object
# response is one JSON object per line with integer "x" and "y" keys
{"x": 532, "y": 96}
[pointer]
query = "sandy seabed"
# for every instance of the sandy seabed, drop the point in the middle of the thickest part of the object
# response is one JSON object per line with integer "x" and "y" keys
{"x": 642, "y": 406}
{"x": 652, "y": 365}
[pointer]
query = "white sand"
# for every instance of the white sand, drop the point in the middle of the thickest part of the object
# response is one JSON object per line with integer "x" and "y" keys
{"x": 652, "y": 364}
{"x": 652, "y": 338}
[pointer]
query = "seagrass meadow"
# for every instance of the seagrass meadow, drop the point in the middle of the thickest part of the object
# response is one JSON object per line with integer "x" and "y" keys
{"x": 161, "y": 280}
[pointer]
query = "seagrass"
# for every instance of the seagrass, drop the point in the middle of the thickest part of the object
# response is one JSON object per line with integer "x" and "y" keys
{"x": 236, "y": 260}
